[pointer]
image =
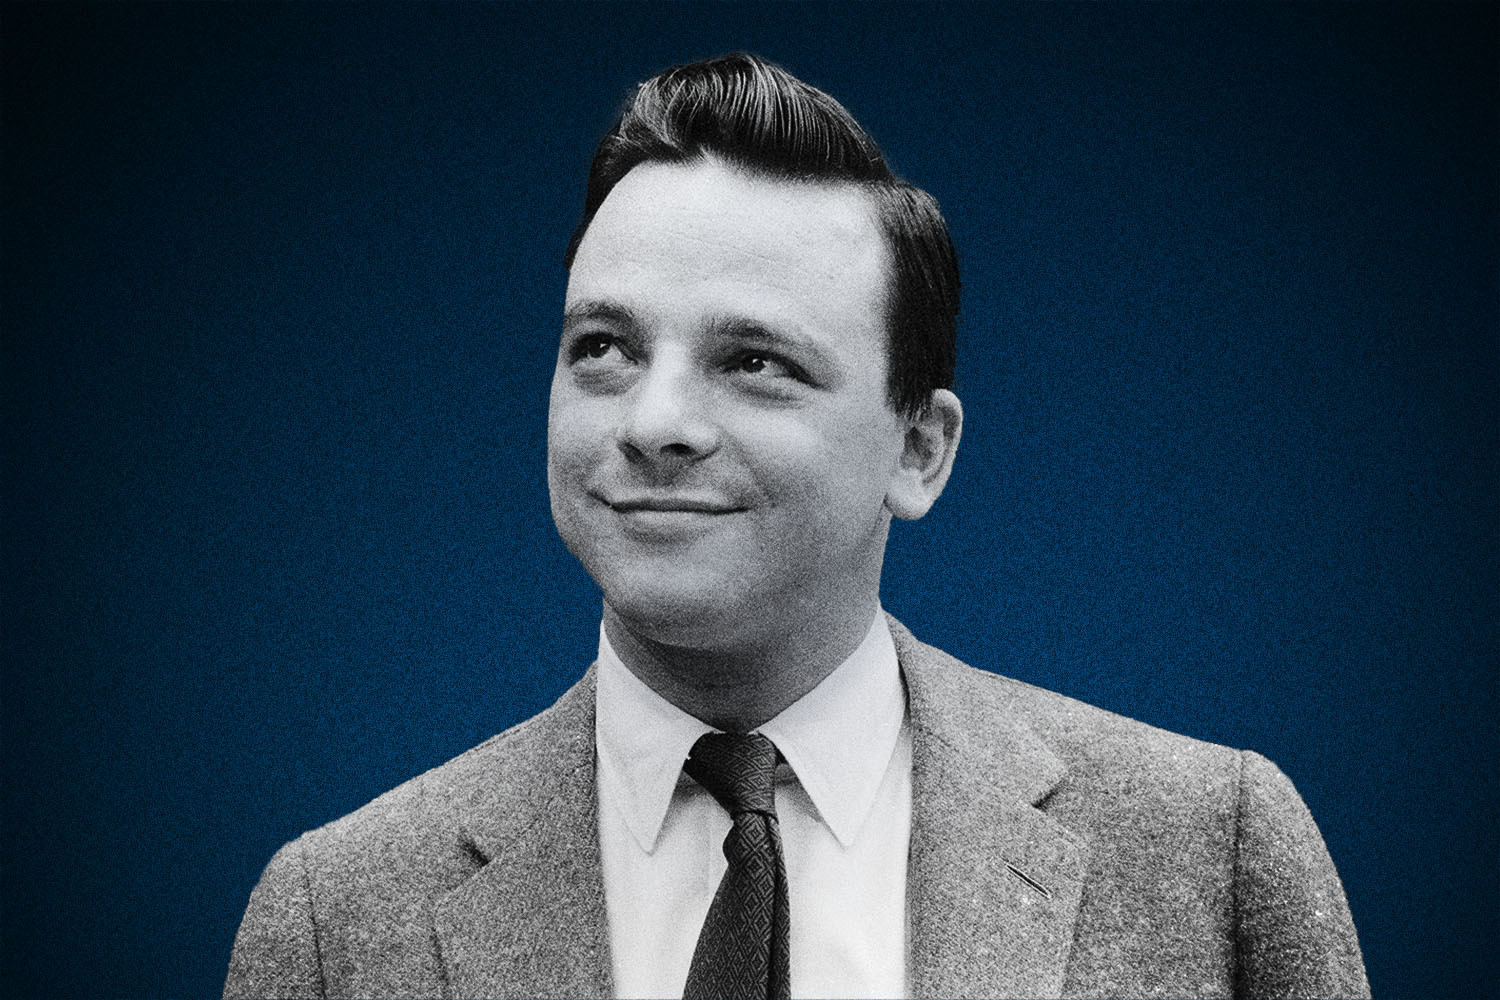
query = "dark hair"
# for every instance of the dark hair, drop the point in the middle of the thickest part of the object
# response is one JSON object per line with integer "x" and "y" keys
{"x": 755, "y": 115}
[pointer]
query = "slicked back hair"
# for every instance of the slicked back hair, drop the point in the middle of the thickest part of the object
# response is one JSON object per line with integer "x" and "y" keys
{"x": 754, "y": 115}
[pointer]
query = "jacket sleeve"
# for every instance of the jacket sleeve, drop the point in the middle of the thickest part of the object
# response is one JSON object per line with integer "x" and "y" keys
{"x": 276, "y": 950}
{"x": 1294, "y": 934}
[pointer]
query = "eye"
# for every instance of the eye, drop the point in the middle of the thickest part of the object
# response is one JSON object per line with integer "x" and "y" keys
{"x": 763, "y": 363}
{"x": 593, "y": 346}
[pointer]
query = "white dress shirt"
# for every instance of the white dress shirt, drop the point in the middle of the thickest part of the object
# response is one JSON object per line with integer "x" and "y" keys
{"x": 844, "y": 806}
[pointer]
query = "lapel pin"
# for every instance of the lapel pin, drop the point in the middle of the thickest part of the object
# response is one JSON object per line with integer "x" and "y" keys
{"x": 1018, "y": 873}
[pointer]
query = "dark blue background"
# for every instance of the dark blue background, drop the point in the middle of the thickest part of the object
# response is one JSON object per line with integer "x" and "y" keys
{"x": 281, "y": 292}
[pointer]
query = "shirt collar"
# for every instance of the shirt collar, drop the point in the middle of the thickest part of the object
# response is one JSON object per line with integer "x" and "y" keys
{"x": 838, "y": 737}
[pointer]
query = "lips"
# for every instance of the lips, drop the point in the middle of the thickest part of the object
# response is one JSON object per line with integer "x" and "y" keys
{"x": 651, "y": 503}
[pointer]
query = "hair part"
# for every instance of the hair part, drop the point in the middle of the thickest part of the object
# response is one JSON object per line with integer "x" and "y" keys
{"x": 756, "y": 116}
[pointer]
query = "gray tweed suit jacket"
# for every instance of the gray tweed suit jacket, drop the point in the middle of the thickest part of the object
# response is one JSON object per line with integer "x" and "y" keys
{"x": 1057, "y": 850}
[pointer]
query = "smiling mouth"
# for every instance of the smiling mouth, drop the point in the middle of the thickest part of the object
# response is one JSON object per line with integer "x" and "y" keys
{"x": 669, "y": 505}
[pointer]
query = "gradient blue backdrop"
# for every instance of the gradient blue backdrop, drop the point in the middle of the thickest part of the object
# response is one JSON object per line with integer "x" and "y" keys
{"x": 280, "y": 295}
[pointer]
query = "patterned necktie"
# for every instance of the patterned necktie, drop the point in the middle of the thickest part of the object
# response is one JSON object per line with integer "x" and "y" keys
{"x": 743, "y": 949}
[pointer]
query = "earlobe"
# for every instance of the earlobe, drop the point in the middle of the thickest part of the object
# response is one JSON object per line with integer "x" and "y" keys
{"x": 927, "y": 458}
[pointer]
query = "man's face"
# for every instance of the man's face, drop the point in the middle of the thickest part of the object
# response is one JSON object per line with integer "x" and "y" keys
{"x": 719, "y": 443}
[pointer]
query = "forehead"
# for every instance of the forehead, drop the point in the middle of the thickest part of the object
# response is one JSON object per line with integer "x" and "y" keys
{"x": 705, "y": 236}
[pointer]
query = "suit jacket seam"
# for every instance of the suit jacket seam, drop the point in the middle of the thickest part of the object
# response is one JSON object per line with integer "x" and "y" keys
{"x": 437, "y": 945}
{"x": 312, "y": 919}
{"x": 493, "y": 848}
{"x": 552, "y": 800}
{"x": 499, "y": 849}
{"x": 1235, "y": 916}
{"x": 934, "y": 734}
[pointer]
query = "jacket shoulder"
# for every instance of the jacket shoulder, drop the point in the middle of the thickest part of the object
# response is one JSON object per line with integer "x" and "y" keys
{"x": 1128, "y": 790}
{"x": 1201, "y": 857}
{"x": 1097, "y": 747}
{"x": 428, "y": 819}
{"x": 347, "y": 909}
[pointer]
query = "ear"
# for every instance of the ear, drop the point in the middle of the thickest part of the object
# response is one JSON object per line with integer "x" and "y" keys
{"x": 927, "y": 457}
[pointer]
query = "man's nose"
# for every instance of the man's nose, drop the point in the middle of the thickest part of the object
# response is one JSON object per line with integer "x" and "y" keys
{"x": 667, "y": 420}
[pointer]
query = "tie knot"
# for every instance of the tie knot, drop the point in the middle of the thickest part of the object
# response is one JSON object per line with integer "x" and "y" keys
{"x": 737, "y": 769}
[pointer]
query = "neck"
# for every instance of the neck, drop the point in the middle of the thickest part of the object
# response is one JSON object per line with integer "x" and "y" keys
{"x": 739, "y": 686}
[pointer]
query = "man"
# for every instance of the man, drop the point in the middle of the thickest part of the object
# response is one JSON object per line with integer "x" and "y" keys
{"x": 764, "y": 786}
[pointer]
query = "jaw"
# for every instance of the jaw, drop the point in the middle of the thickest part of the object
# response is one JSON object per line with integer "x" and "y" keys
{"x": 724, "y": 593}
{"x": 728, "y": 654}
{"x": 734, "y": 688}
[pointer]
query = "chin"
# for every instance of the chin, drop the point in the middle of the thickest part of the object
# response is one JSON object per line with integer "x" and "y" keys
{"x": 697, "y": 610}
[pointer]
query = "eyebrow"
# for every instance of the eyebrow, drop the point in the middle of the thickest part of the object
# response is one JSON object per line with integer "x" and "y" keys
{"x": 741, "y": 328}
{"x": 593, "y": 309}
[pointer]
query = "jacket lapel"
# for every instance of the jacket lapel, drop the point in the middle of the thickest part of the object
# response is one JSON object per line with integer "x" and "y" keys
{"x": 993, "y": 883}
{"x": 531, "y": 922}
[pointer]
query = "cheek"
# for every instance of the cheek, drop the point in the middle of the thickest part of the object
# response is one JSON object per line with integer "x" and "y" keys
{"x": 575, "y": 434}
{"x": 836, "y": 471}
{"x": 866, "y": 451}
{"x": 570, "y": 459}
